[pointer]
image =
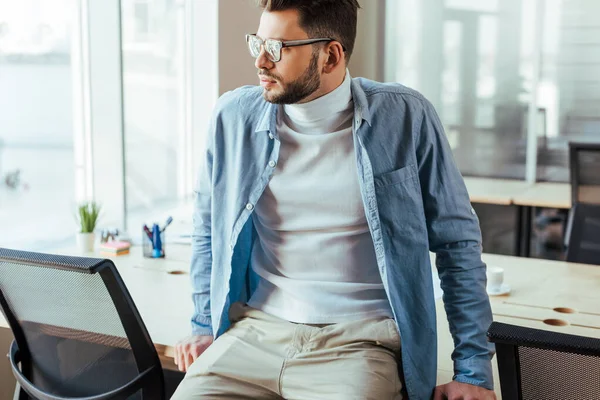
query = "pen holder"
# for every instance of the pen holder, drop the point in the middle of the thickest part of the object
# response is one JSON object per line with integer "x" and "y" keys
{"x": 149, "y": 245}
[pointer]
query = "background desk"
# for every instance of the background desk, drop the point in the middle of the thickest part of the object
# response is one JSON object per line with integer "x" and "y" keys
{"x": 541, "y": 194}
{"x": 524, "y": 196}
{"x": 162, "y": 293}
{"x": 509, "y": 192}
{"x": 494, "y": 191}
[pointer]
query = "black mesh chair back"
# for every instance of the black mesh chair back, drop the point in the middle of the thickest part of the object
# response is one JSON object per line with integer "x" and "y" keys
{"x": 77, "y": 331}
{"x": 585, "y": 172}
{"x": 534, "y": 364}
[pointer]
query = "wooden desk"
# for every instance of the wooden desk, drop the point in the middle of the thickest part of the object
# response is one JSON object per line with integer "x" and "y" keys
{"x": 544, "y": 289}
{"x": 524, "y": 196}
{"x": 545, "y": 194}
{"x": 502, "y": 192}
{"x": 507, "y": 192}
{"x": 541, "y": 194}
{"x": 539, "y": 287}
{"x": 446, "y": 346}
{"x": 494, "y": 191}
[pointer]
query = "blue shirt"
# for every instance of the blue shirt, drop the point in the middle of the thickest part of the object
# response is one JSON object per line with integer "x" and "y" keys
{"x": 415, "y": 201}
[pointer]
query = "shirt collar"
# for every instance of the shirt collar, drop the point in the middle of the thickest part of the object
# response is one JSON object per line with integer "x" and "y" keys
{"x": 268, "y": 121}
{"x": 361, "y": 104}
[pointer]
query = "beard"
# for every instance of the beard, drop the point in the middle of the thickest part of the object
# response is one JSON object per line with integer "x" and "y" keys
{"x": 297, "y": 90}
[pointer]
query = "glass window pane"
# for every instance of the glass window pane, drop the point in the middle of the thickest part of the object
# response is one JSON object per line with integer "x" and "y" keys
{"x": 569, "y": 90}
{"x": 486, "y": 72}
{"x": 474, "y": 62}
{"x": 451, "y": 74}
{"x": 478, "y": 5}
{"x": 37, "y": 177}
{"x": 153, "y": 81}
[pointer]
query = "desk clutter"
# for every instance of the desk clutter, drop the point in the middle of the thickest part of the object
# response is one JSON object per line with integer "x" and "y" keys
{"x": 495, "y": 282}
{"x": 115, "y": 248}
{"x": 153, "y": 241}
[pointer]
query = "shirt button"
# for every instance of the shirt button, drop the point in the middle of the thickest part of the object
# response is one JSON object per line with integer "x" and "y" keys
{"x": 472, "y": 211}
{"x": 249, "y": 207}
{"x": 272, "y": 164}
{"x": 271, "y": 136}
{"x": 230, "y": 247}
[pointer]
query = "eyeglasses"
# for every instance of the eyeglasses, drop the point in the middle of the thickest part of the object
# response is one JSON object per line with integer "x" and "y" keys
{"x": 273, "y": 47}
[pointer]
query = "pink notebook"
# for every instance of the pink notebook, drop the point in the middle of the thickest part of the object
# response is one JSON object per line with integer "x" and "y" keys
{"x": 116, "y": 245}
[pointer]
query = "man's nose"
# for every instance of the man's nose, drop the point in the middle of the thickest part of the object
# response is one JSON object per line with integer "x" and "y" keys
{"x": 262, "y": 61}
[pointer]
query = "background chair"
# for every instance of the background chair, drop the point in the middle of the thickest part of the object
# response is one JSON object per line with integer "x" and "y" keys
{"x": 535, "y": 364}
{"x": 584, "y": 167}
{"x": 77, "y": 331}
{"x": 584, "y": 241}
{"x": 584, "y": 164}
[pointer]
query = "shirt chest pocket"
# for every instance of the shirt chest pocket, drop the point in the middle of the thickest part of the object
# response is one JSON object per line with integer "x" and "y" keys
{"x": 394, "y": 177}
{"x": 400, "y": 207}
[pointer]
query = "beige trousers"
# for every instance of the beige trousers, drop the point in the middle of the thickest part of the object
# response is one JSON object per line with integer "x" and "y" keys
{"x": 264, "y": 357}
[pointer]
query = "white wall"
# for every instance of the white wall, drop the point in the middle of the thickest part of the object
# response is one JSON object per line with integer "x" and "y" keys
{"x": 236, "y": 66}
{"x": 368, "y": 57}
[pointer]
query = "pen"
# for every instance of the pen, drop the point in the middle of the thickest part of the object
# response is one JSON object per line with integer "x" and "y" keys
{"x": 169, "y": 220}
{"x": 156, "y": 243}
{"x": 148, "y": 233}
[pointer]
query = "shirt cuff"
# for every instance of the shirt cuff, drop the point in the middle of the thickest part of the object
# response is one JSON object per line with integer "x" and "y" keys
{"x": 474, "y": 371}
{"x": 201, "y": 326}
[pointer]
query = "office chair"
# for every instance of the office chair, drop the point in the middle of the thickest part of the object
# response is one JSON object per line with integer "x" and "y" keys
{"x": 584, "y": 164}
{"x": 534, "y": 364}
{"x": 584, "y": 241}
{"x": 77, "y": 331}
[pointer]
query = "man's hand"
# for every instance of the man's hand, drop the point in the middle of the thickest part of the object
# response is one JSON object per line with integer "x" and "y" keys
{"x": 189, "y": 349}
{"x": 462, "y": 391}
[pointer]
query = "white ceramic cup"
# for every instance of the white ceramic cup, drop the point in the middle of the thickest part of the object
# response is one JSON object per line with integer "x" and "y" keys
{"x": 495, "y": 278}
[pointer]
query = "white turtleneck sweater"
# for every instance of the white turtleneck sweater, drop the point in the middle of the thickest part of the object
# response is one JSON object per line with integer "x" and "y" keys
{"x": 314, "y": 253}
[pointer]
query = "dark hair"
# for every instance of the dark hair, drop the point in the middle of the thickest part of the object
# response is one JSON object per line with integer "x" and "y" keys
{"x": 335, "y": 19}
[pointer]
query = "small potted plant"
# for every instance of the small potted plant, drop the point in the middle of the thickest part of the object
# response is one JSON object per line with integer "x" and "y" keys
{"x": 87, "y": 216}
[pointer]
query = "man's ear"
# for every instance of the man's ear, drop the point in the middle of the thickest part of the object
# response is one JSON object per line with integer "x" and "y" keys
{"x": 335, "y": 57}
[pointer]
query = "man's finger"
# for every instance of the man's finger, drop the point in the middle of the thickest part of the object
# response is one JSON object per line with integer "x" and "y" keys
{"x": 197, "y": 352}
{"x": 181, "y": 362}
{"x": 188, "y": 360}
{"x": 176, "y": 355}
{"x": 438, "y": 394}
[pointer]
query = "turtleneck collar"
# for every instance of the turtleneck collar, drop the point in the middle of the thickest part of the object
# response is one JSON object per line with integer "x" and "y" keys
{"x": 322, "y": 109}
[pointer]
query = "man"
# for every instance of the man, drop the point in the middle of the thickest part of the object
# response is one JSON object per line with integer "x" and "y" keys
{"x": 318, "y": 203}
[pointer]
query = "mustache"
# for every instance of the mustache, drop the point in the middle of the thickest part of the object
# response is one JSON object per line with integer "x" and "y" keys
{"x": 266, "y": 74}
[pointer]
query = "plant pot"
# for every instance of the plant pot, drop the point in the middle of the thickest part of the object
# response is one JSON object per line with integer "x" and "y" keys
{"x": 85, "y": 242}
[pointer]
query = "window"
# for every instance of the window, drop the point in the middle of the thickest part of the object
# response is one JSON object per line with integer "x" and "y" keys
{"x": 468, "y": 58}
{"x": 37, "y": 185}
{"x": 169, "y": 88}
{"x": 569, "y": 89}
{"x": 153, "y": 78}
{"x": 64, "y": 134}
{"x": 477, "y": 62}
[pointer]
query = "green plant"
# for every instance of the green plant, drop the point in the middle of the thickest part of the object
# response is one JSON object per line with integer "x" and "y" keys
{"x": 87, "y": 216}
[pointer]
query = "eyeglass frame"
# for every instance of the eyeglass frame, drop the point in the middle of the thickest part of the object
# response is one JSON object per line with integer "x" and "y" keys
{"x": 286, "y": 43}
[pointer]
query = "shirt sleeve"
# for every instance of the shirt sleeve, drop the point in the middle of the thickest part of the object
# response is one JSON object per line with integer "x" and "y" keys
{"x": 455, "y": 237}
{"x": 201, "y": 262}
